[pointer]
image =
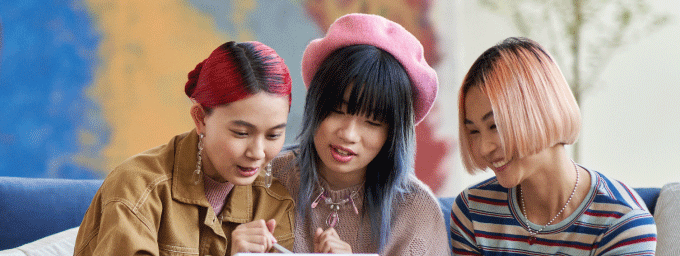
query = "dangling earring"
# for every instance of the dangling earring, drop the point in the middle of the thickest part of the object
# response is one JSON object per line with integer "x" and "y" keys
{"x": 268, "y": 175}
{"x": 199, "y": 163}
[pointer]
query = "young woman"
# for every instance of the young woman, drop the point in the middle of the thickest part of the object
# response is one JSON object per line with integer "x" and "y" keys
{"x": 516, "y": 114}
{"x": 201, "y": 194}
{"x": 368, "y": 85}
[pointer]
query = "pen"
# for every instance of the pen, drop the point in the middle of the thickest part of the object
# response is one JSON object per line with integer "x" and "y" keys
{"x": 281, "y": 248}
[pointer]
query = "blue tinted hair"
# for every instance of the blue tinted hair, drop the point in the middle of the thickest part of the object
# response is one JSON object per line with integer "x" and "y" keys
{"x": 379, "y": 88}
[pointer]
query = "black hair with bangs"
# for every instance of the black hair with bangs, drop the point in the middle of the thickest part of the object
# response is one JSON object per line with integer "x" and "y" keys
{"x": 381, "y": 90}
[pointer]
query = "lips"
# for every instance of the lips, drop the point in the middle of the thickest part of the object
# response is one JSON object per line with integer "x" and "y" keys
{"x": 248, "y": 171}
{"x": 342, "y": 154}
{"x": 500, "y": 166}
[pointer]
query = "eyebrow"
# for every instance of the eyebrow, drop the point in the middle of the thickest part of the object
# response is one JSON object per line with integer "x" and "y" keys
{"x": 484, "y": 118}
{"x": 252, "y": 126}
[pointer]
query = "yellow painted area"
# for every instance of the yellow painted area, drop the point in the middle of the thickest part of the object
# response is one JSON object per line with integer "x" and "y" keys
{"x": 395, "y": 10}
{"x": 147, "y": 49}
{"x": 239, "y": 18}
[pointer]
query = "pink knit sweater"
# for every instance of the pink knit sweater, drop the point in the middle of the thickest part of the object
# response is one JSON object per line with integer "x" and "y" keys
{"x": 417, "y": 229}
{"x": 216, "y": 192}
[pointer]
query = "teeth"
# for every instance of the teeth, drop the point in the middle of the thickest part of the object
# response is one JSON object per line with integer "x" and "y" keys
{"x": 499, "y": 164}
{"x": 342, "y": 152}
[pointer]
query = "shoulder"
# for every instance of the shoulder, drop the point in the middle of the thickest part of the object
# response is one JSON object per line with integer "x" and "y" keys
{"x": 616, "y": 195}
{"x": 285, "y": 169}
{"x": 486, "y": 192}
{"x": 418, "y": 199}
{"x": 276, "y": 192}
{"x": 286, "y": 159}
{"x": 142, "y": 174}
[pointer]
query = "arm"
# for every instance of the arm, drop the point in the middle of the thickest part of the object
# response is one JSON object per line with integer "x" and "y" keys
{"x": 633, "y": 234}
{"x": 463, "y": 239}
{"x": 115, "y": 229}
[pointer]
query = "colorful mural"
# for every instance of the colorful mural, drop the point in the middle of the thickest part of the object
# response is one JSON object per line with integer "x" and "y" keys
{"x": 89, "y": 83}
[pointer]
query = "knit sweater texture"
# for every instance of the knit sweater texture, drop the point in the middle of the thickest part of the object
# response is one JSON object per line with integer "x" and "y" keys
{"x": 418, "y": 226}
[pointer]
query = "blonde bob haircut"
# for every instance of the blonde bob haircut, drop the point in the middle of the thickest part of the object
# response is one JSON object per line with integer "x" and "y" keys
{"x": 532, "y": 103}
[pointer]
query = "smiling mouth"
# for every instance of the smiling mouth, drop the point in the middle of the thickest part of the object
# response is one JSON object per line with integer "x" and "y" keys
{"x": 500, "y": 165}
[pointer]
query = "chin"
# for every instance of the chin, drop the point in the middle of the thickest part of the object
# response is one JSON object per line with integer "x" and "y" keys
{"x": 505, "y": 183}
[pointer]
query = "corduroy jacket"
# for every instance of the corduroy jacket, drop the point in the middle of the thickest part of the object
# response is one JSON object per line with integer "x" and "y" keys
{"x": 149, "y": 205}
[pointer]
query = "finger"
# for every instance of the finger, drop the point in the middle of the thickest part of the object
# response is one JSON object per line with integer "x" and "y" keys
{"x": 249, "y": 244}
{"x": 332, "y": 232}
{"x": 253, "y": 224}
{"x": 317, "y": 239}
{"x": 317, "y": 235}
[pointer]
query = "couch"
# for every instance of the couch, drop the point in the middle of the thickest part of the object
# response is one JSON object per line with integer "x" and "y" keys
{"x": 41, "y": 216}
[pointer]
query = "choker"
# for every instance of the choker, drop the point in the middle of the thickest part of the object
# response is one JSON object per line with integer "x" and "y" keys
{"x": 334, "y": 218}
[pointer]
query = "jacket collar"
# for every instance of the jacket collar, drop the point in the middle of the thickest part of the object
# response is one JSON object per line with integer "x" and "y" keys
{"x": 239, "y": 204}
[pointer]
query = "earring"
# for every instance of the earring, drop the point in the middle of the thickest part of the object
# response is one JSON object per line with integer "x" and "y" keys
{"x": 268, "y": 175}
{"x": 199, "y": 163}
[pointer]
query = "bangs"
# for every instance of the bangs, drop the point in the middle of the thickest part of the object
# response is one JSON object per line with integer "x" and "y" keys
{"x": 377, "y": 84}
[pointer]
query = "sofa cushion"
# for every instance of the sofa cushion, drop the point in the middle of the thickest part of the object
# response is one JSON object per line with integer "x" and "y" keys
{"x": 33, "y": 208}
{"x": 667, "y": 218}
{"x": 58, "y": 244}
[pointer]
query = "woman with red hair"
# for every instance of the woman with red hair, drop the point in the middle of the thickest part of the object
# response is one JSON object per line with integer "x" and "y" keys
{"x": 202, "y": 193}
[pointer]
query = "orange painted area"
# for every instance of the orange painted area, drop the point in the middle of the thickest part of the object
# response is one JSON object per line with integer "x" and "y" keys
{"x": 147, "y": 48}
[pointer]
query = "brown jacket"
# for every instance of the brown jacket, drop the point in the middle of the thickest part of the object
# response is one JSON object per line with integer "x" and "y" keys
{"x": 149, "y": 205}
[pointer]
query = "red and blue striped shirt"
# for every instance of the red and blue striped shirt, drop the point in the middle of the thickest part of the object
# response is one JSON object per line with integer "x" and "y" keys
{"x": 612, "y": 220}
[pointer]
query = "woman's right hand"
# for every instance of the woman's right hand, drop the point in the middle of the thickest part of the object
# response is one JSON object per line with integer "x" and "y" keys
{"x": 329, "y": 242}
{"x": 255, "y": 236}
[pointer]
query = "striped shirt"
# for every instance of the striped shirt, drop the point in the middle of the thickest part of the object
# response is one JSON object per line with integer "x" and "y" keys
{"x": 612, "y": 220}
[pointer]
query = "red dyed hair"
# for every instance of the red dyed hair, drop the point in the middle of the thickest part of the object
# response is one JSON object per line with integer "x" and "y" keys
{"x": 235, "y": 71}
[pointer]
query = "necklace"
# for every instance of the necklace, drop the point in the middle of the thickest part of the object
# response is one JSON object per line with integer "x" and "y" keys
{"x": 334, "y": 218}
{"x": 533, "y": 233}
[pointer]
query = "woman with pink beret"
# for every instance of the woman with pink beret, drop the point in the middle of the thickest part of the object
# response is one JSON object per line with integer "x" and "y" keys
{"x": 352, "y": 174}
{"x": 202, "y": 192}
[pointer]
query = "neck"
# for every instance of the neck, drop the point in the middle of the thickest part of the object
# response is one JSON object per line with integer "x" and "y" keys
{"x": 338, "y": 180}
{"x": 547, "y": 191}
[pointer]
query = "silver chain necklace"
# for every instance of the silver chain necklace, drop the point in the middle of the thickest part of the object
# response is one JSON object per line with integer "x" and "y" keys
{"x": 533, "y": 233}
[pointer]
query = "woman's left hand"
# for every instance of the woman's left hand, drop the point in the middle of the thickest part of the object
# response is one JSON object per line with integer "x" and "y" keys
{"x": 329, "y": 242}
{"x": 255, "y": 236}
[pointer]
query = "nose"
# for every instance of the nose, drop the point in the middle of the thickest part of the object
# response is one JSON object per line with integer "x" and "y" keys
{"x": 255, "y": 149}
{"x": 348, "y": 129}
{"x": 490, "y": 142}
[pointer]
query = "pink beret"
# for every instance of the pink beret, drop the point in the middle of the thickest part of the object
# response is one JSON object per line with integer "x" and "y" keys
{"x": 357, "y": 28}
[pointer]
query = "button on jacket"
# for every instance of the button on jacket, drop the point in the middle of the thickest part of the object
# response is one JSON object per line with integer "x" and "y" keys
{"x": 149, "y": 205}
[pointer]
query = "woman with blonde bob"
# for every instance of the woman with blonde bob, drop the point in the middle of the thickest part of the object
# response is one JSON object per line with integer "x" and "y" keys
{"x": 516, "y": 115}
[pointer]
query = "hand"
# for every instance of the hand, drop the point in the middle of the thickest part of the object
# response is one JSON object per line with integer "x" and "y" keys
{"x": 329, "y": 242}
{"x": 255, "y": 236}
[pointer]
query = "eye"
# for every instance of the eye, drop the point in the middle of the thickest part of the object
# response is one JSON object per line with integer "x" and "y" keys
{"x": 492, "y": 127}
{"x": 274, "y": 136}
{"x": 374, "y": 123}
{"x": 471, "y": 132}
{"x": 239, "y": 134}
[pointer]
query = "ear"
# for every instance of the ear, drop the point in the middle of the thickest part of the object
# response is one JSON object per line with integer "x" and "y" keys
{"x": 198, "y": 114}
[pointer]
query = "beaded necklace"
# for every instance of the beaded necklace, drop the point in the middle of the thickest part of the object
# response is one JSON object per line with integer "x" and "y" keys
{"x": 533, "y": 233}
{"x": 334, "y": 218}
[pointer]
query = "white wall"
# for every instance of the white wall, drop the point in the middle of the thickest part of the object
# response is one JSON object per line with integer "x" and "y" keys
{"x": 631, "y": 119}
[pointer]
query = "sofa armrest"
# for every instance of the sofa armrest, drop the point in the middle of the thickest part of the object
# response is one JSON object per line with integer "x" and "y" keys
{"x": 33, "y": 208}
